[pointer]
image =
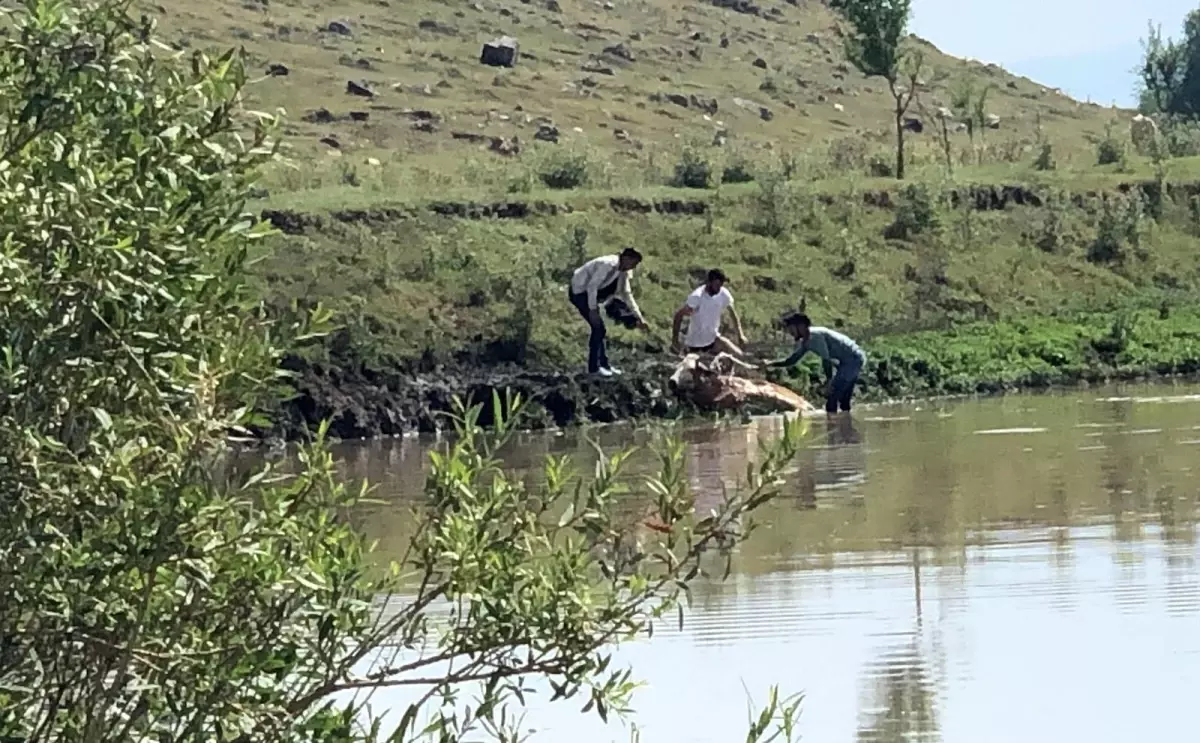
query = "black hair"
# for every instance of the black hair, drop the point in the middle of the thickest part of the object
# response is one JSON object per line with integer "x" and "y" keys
{"x": 632, "y": 254}
{"x": 717, "y": 275}
{"x": 793, "y": 319}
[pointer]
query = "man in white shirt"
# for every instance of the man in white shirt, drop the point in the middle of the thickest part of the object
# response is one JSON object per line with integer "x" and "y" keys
{"x": 704, "y": 307}
{"x": 606, "y": 280}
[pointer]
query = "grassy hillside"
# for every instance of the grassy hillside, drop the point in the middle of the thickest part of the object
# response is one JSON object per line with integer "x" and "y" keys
{"x": 601, "y": 73}
{"x": 434, "y": 220}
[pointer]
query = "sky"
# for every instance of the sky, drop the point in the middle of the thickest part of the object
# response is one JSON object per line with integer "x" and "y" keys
{"x": 1088, "y": 48}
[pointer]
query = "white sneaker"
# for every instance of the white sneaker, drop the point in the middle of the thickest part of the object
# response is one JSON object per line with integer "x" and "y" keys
{"x": 615, "y": 372}
{"x": 604, "y": 372}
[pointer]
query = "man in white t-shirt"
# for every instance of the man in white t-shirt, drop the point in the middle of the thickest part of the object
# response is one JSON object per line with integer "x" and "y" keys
{"x": 704, "y": 308}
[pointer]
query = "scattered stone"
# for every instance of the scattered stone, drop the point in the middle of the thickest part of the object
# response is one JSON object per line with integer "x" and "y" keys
{"x": 553, "y": 6}
{"x": 707, "y": 105}
{"x": 547, "y": 133}
{"x": 338, "y": 27}
{"x": 740, "y": 6}
{"x": 427, "y": 127}
{"x": 504, "y": 146}
{"x": 331, "y": 142}
{"x": 760, "y": 63}
{"x": 501, "y": 52}
{"x": 621, "y": 134}
{"x": 359, "y": 115}
{"x": 913, "y": 125}
{"x": 598, "y": 69}
{"x": 944, "y": 113}
{"x": 421, "y": 114}
{"x": 697, "y": 54}
{"x": 677, "y": 99}
{"x": 437, "y": 27}
{"x": 619, "y": 51}
{"x": 588, "y": 82}
{"x": 373, "y": 162}
{"x": 471, "y": 137}
{"x": 609, "y": 6}
{"x": 278, "y": 70}
{"x": 319, "y": 116}
{"x": 720, "y": 138}
{"x": 765, "y": 113}
{"x": 635, "y": 36}
{"x": 359, "y": 89}
{"x": 724, "y": 41}
{"x": 1011, "y": 84}
{"x": 813, "y": 39}
{"x": 993, "y": 121}
{"x": 839, "y": 108}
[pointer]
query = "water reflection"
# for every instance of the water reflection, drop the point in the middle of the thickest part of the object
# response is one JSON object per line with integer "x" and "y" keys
{"x": 981, "y": 571}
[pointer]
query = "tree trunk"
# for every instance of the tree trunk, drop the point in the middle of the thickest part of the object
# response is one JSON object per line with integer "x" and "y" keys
{"x": 899, "y": 143}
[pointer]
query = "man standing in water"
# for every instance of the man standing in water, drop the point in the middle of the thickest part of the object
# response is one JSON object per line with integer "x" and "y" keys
{"x": 834, "y": 348}
{"x": 705, "y": 306}
{"x": 605, "y": 280}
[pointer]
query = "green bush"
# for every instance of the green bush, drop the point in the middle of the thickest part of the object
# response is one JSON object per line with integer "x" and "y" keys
{"x": 1109, "y": 150}
{"x": 1045, "y": 158}
{"x": 565, "y": 170}
{"x": 738, "y": 171}
{"x": 916, "y": 214}
{"x": 692, "y": 171}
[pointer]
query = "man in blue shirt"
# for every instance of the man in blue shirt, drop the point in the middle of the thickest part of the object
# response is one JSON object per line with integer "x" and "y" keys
{"x": 834, "y": 349}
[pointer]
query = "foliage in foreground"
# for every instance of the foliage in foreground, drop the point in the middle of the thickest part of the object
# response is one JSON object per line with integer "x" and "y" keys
{"x": 153, "y": 592}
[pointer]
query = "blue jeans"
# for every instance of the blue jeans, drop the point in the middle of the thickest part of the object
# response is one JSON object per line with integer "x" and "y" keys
{"x": 841, "y": 387}
{"x": 597, "y": 353}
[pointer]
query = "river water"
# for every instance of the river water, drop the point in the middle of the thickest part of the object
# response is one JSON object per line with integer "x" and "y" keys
{"x": 1014, "y": 569}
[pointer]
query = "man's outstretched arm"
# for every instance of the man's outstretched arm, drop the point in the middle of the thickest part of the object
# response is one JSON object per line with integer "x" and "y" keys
{"x": 790, "y": 360}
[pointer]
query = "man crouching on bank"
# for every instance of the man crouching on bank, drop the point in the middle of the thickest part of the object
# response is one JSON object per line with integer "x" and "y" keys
{"x": 605, "y": 280}
{"x": 835, "y": 349}
{"x": 705, "y": 307}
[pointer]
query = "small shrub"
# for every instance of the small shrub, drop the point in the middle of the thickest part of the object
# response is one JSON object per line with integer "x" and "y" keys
{"x": 1194, "y": 215}
{"x": 1119, "y": 337}
{"x": 565, "y": 170}
{"x": 775, "y": 211}
{"x": 692, "y": 171}
{"x": 848, "y": 154}
{"x": 737, "y": 171}
{"x": 1118, "y": 228}
{"x": 789, "y": 165}
{"x": 1110, "y": 150}
{"x": 1051, "y": 234}
{"x": 916, "y": 214}
{"x": 1045, "y": 158}
{"x": 573, "y": 253}
{"x": 881, "y": 167}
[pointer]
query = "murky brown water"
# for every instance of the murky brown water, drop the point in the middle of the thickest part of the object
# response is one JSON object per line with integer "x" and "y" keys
{"x": 1021, "y": 569}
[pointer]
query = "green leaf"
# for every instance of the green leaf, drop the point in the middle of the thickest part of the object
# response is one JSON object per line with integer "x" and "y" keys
{"x": 104, "y": 418}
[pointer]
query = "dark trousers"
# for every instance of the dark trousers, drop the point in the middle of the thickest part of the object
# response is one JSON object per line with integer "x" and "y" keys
{"x": 841, "y": 387}
{"x": 597, "y": 350}
{"x": 620, "y": 312}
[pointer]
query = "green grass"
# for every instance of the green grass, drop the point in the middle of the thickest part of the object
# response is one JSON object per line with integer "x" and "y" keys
{"x": 1032, "y": 353}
